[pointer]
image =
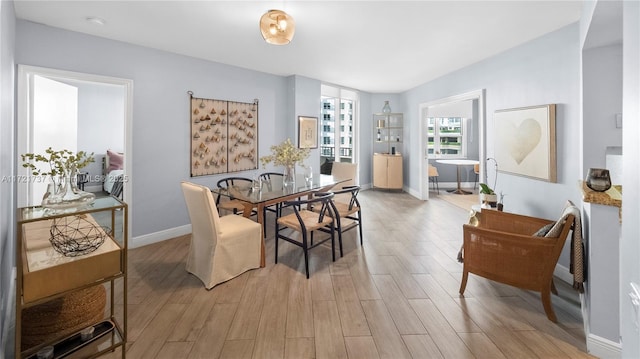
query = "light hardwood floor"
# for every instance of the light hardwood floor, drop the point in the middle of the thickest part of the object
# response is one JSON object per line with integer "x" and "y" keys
{"x": 394, "y": 297}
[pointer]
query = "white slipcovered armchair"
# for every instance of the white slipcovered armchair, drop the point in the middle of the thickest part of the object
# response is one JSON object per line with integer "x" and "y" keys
{"x": 345, "y": 172}
{"x": 221, "y": 247}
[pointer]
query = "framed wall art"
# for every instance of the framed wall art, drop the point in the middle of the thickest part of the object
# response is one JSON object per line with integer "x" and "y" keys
{"x": 224, "y": 136}
{"x": 525, "y": 141}
{"x": 307, "y": 132}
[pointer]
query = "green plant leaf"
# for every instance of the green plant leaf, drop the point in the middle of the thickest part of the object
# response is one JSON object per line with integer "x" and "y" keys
{"x": 485, "y": 189}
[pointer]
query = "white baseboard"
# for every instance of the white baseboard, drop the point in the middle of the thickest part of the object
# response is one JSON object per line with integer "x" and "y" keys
{"x": 413, "y": 192}
{"x": 596, "y": 345}
{"x": 603, "y": 348}
{"x": 160, "y": 236}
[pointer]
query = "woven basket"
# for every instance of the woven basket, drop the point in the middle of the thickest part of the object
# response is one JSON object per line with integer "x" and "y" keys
{"x": 62, "y": 316}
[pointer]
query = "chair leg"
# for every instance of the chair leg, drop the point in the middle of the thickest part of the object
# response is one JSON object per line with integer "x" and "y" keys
{"x": 463, "y": 283}
{"x": 264, "y": 222}
{"x": 339, "y": 229}
{"x": 333, "y": 243}
{"x": 437, "y": 186}
{"x": 546, "y": 303}
{"x": 276, "y": 240}
{"x": 360, "y": 225}
{"x": 553, "y": 288}
{"x": 305, "y": 249}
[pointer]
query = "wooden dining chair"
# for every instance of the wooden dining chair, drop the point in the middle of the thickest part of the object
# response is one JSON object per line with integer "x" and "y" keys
{"x": 231, "y": 204}
{"x": 476, "y": 171}
{"x": 433, "y": 177}
{"x": 267, "y": 178}
{"x": 304, "y": 222}
{"x": 348, "y": 213}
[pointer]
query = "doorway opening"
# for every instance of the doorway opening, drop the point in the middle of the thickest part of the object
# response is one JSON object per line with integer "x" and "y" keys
{"x": 77, "y": 112}
{"x": 425, "y": 111}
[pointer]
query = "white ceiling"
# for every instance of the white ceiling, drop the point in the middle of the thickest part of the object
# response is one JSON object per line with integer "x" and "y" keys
{"x": 373, "y": 46}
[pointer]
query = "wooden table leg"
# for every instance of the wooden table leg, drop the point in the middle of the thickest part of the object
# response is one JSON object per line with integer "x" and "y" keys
{"x": 246, "y": 212}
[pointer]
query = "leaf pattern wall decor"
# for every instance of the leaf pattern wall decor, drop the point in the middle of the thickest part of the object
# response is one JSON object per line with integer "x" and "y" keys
{"x": 224, "y": 136}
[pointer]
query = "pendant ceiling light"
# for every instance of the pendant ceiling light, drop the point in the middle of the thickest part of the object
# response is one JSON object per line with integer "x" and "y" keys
{"x": 277, "y": 27}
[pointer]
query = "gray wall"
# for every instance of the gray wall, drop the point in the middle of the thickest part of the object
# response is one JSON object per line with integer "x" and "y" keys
{"x": 602, "y": 100}
{"x": 101, "y": 115}
{"x": 306, "y": 95}
{"x": 545, "y": 70}
{"x": 7, "y": 188}
{"x": 629, "y": 243}
{"x": 160, "y": 109}
{"x": 542, "y": 71}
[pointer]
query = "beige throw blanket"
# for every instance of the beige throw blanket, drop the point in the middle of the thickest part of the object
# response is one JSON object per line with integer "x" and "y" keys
{"x": 576, "y": 266}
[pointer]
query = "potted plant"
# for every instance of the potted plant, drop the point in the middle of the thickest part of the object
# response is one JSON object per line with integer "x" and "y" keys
{"x": 488, "y": 196}
{"x": 62, "y": 192}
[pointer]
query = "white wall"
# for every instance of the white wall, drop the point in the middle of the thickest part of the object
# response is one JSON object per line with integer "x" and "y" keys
{"x": 545, "y": 70}
{"x": 306, "y": 102}
{"x": 160, "y": 109}
{"x": 542, "y": 71}
{"x": 602, "y": 100}
{"x": 7, "y": 171}
{"x": 629, "y": 242}
{"x": 101, "y": 115}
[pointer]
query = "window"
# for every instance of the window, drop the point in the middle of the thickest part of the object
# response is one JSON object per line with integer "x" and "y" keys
{"x": 445, "y": 137}
{"x": 338, "y": 123}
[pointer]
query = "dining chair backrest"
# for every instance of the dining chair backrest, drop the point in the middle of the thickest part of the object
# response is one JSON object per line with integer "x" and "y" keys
{"x": 344, "y": 171}
{"x": 433, "y": 171}
{"x": 268, "y": 175}
{"x": 221, "y": 248}
{"x": 205, "y": 220}
{"x": 321, "y": 199}
{"x": 228, "y": 182}
{"x": 231, "y": 181}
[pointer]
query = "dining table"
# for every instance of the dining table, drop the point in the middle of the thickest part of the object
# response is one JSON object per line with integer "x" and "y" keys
{"x": 459, "y": 163}
{"x": 264, "y": 193}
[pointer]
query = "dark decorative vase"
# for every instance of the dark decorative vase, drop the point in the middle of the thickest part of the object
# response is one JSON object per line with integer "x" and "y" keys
{"x": 598, "y": 179}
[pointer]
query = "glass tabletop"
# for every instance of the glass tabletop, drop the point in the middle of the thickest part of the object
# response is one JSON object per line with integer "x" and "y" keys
{"x": 36, "y": 213}
{"x": 274, "y": 188}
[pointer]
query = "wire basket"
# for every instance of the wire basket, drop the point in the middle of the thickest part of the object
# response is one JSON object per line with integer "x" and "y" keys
{"x": 74, "y": 236}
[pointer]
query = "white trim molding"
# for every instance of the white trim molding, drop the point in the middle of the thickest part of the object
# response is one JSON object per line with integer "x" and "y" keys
{"x": 603, "y": 348}
{"x": 160, "y": 236}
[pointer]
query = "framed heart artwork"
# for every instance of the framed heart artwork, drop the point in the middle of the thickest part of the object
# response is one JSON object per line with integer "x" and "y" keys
{"x": 525, "y": 141}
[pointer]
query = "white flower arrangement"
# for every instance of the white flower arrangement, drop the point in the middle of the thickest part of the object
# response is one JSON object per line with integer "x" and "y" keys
{"x": 285, "y": 154}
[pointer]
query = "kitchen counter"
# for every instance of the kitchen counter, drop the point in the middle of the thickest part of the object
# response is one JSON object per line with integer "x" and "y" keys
{"x": 611, "y": 197}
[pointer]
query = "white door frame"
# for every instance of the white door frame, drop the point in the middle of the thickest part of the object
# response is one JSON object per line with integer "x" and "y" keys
{"x": 424, "y": 162}
{"x": 23, "y": 141}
